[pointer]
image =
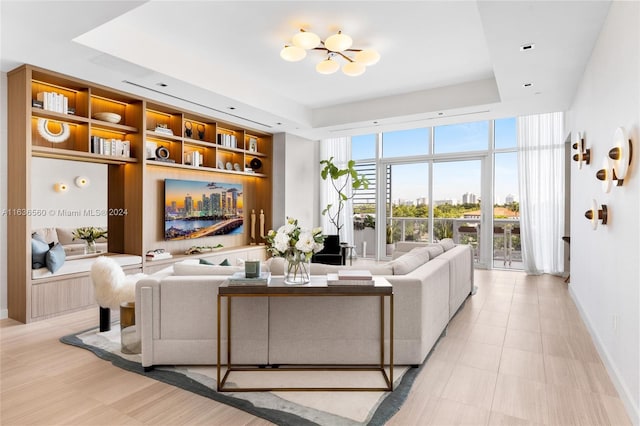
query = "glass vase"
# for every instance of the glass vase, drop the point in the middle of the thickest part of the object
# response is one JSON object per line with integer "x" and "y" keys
{"x": 90, "y": 248}
{"x": 297, "y": 268}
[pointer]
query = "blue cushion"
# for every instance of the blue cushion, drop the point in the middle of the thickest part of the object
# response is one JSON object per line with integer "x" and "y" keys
{"x": 55, "y": 258}
{"x": 39, "y": 249}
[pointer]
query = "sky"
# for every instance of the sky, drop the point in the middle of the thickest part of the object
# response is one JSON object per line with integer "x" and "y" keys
{"x": 451, "y": 179}
{"x": 177, "y": 189}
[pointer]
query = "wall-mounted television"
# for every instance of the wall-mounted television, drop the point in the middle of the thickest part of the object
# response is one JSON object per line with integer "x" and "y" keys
{"x": 196, "y": 209}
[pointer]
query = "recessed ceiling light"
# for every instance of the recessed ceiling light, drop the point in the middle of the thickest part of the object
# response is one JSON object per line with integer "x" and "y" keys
{"x": 441, "y": 113}
{"x": 527, "y": 85}
{"x": 232, "y": 107}
{"x": 161, "y": 84}
{"x": 527, "y": 47}
{"x": 279, "y": 124}
{"x": 375, "y": 122}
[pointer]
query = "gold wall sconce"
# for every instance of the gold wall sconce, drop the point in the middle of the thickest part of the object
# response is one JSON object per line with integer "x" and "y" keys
{"x": 616, "y": 164}
{"x": 583, "y": 155}
{"x": 61, "y": 187}
{"x": 594, "y": 214}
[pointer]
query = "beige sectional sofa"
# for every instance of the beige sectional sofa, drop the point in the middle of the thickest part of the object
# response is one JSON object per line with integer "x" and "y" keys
{"x": 176, "y": 312}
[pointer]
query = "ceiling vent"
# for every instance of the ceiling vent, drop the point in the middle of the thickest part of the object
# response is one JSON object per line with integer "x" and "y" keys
{"x": 248, "y": 120}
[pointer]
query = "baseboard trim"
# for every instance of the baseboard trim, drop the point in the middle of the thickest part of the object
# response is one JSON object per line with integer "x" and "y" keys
{"x": 633, "y": 411}
{"x": 4, "y": 313}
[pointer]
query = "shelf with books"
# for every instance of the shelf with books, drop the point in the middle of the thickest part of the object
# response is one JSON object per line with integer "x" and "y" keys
{"x": 58, "y": 94}
{"x": 229, "y": 138}
{"x": 70, "y": 154}
{"x": 199, "y": 155}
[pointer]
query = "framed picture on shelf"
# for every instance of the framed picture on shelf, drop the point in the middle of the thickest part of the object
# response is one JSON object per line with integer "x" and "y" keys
{"x": 253, "y": 145}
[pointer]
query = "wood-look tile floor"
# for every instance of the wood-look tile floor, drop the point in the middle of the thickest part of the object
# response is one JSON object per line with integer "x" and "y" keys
{"x": 517, "y": 353}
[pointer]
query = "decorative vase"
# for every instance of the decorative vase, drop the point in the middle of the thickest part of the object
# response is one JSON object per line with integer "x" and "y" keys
{"x": 90, "y": 248}
{"x": 297, "y": 268}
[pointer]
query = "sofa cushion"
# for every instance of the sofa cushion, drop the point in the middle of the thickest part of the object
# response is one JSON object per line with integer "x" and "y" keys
{"x": 55, "y": 258}
{"x": 83, "y": 264}
{"x": 435, "y": 250}
{"x": 410, "y": 261}
{"x": 208, "y": 262}
{"x": 447, "y": 244}
{"x": 39, "y": 249}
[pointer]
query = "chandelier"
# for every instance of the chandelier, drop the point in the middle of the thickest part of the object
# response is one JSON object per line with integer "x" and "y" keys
{"x": 335, "y": 46}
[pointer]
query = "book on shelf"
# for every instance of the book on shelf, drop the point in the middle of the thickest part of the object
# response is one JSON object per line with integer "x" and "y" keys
{"x": 333, "y": 279}
{"x": 354, "y": 274}
{"x": 239, "y": 278}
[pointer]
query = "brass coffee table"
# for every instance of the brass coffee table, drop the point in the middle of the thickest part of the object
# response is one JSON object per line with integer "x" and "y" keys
{"x": 316, "y": 288}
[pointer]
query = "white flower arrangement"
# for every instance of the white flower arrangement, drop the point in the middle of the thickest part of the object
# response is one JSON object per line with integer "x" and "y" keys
{"x": 291, "y": 240}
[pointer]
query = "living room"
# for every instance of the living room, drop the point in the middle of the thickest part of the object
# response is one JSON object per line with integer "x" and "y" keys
{"x": 593, "y": 82}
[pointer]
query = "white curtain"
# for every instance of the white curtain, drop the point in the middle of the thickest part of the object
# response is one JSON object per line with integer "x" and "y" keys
{"x": 542, "y": 191}
{"x": 340, "y": 150}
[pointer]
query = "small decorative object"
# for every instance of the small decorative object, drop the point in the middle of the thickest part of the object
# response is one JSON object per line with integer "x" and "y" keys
{"x": 188, "y": 129}
{"x": 255, "y": 164}
{"x": 200, "y": 129}
{"x": 262, "y": 226}
{"x": 162, "y": 153}
{"x": 229, "y": 165}
{"x": 236, "y": 167}
{"x": 583, "y": 155}
{"x": 220, "y": 164}
{"x": 164, "y": 129}
{"x": 89, "y": 234}
{"x": 252, "y": 268}
{"x": 202, "y": 249}
{"x": 110, "y": 117}
{"x": 52, "y": 136}
{"x": 151, "y": 150}
{"x": 594, "y": 214}
{"x": 253, "y": 145}
{"x": 296, "y": 246}
{"x": 253, "y": 227}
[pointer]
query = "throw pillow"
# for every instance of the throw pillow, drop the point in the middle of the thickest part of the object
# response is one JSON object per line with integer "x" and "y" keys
{"x": 225, "y": 263}
{"x": 55, "y": 258}
{"x": 435, "y": 250}
{"x": 447, "y": 244}
{"x": 408, "y": 262}
{"x": 39, "y": 249}
{"x": 206, "y": 262}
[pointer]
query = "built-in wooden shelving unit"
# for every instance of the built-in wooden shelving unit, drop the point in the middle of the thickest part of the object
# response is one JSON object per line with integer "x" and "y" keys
{"x": 199, "y": 147}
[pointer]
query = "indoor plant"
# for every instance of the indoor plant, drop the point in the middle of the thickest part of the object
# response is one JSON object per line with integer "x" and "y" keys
{"x": 296, "y": 246}
{"x": 342, "y": 180}
{"x": 90, "y": 234}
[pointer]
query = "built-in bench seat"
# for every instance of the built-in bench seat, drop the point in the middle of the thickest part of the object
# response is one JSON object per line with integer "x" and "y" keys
{"x": 83, "y": 265}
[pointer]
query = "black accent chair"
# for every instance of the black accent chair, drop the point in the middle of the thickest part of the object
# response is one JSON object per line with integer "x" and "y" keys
{"x": 332, "y": 252}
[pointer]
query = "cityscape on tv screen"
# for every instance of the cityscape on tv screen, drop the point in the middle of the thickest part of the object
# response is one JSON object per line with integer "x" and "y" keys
{"x": 195, "y": 209}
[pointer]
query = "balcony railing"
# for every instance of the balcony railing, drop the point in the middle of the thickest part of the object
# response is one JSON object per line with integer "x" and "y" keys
{"x": 507, "y": 250}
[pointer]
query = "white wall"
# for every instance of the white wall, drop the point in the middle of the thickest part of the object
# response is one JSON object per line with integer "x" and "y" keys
{"x": 296, "y": 177}
{"x": 75, "y": 207}
{"x": 4, "y": 312}
{"x": 605, "y": 271}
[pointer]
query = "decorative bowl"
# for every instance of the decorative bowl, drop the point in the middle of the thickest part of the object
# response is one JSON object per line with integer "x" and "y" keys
{"x": 111, "y": 117}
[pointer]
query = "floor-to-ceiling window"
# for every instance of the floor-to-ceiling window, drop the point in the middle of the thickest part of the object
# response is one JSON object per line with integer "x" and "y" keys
{"x": 433, "y": 183}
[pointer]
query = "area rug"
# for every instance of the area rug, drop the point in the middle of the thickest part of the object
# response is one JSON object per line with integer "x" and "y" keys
{"x": 282, "y": 408}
